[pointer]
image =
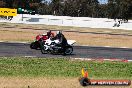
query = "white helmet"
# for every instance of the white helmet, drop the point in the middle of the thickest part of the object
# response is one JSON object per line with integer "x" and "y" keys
{"x": 58, "y": 32}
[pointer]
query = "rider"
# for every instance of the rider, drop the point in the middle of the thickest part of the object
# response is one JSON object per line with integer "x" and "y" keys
{"x": 62, "y": 39}
{"x": 50, "y": 34}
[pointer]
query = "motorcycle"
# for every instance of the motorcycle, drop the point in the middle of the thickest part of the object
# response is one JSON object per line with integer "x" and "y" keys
{"x": 37, "y": 43}
{"x": 51, "y": 46}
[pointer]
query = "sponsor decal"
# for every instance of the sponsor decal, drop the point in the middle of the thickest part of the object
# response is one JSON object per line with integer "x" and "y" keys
{"x": 8, "y": 12}
{"x": 85, "y": 81}
{"x": 110, "y": 82}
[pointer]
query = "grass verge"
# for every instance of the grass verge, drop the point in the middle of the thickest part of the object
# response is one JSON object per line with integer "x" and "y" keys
{"x": 41, "y": 67}
{"x": 66, "y": 28}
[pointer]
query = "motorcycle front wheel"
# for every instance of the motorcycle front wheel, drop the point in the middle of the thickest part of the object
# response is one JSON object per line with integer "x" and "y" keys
{"x": 33, "y": 45}
{"x": 68, "y": 50}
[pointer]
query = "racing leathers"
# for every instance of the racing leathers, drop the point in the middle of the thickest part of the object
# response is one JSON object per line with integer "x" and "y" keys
{"x": 50, "y": 34}
{"x": 62, "y": 40}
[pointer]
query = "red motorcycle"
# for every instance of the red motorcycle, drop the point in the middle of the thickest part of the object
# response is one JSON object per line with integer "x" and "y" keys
{"x": 38, "y": 41}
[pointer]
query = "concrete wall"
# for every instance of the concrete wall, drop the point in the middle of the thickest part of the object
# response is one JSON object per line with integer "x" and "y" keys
{"x": 69, "y": 21}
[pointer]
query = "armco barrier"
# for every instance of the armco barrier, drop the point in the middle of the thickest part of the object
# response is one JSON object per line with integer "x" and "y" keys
{"x": 69, "y": 21}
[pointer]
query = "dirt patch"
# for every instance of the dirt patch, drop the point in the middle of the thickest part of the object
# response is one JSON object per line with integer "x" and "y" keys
{"x": 15, "y": 82}
{"x": 101, "y": 39}
{"x": 18, "y": 34}
{"x": 92, "y": 39}
{"x": 19, "y": 82}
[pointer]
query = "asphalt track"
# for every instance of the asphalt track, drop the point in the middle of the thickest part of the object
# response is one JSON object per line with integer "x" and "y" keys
{"x": 23, "y": 50}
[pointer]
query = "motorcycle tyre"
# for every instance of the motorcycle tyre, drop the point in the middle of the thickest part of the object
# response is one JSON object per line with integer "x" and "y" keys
{"x": 43, "y": 51}
{"x": 65, "y": 53}
{"x": 33, "y": 45}
{"x": 84, "y": 81}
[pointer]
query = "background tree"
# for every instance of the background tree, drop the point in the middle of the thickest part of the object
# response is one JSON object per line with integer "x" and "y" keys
{"x": 78, "y": 8}
{"x": 120, "y": 8}
{"x": 57, "y": 7}
{"x": 44, "y": 8}
{"x": 2, "y": 4}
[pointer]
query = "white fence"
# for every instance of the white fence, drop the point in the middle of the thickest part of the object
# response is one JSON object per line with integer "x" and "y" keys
{"x": 69, "y": 21}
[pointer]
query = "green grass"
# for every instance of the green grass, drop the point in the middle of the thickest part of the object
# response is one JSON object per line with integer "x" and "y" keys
{"x": 41, "y": 67}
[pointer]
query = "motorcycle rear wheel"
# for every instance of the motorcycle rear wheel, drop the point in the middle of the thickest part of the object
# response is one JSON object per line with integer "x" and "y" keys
{"x": 43, "y": 51}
